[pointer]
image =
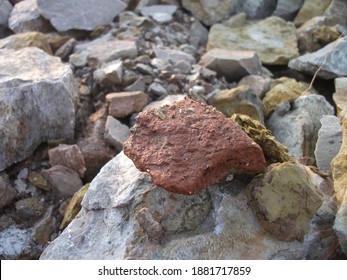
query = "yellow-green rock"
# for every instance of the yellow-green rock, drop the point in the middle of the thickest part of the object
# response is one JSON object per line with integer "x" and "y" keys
{"x": 339, "y": 166}
{"x": 74, "y": 206}
{"x": 284, "y": 199}
{"x": 37, "y": 180}
{"x": 310, "y": 9}
{"x": 273, "y": 150}
{"x": 283, "y": 90}
{"x": 241, "y": 100}
{"x": 24, "y": 40}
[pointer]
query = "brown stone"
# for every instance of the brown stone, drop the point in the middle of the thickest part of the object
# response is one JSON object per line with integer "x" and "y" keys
{"x": 69, "y": 156}
{"x": 7, "y": 193}
{"x": 123, "y": 104}
{"x": 64, "y": 179}
{"x": 189, "y": 146}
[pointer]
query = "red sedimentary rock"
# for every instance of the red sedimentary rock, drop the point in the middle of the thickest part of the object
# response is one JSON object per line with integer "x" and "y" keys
{"x": 188, "y": 146}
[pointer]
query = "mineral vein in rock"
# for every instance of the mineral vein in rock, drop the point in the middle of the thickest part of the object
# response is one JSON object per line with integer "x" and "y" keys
{"x": 189, "y": 146}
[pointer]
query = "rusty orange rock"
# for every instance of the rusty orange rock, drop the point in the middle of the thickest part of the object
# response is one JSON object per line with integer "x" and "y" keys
{"x": 189, "y": 146}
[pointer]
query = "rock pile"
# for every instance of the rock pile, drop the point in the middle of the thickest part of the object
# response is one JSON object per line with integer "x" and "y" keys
{"x": 208, "y": 98}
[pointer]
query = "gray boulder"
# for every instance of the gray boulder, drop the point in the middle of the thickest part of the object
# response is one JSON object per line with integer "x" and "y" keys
{"x": 26, "y": 16}
{"x": 298, "y": 129}
{"x": 125, "y": 216}
{"x": 256, "y": 9}
{"x": 288, "y": 9}
{"x": 329, "y": 142}
{"x": 80, "y": 14}
{"x": 332, "y": 60}
{"x": 5, "y": 12}
{"x": 36, "y": 102}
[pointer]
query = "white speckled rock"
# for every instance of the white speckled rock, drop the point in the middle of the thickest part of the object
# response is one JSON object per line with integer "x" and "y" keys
{"x": 36, "y": 102}
{"x": 216, "y": 223}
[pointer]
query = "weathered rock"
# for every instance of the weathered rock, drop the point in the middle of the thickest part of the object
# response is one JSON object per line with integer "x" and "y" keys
{"x": 233, "y": 65}
{"x": 340, "y": 224}
{"x": 330, "y": 60}
{"x": 31, "y": 79}
{"x": 37, "y": 180}
{"x": 298, "y": 129}
{"x": 273, "y": 39}
{"x": 111, "y": 50}
{"x": 310, "y": 9}
{"x": 24, "y": 40}
{"x": 160, "y": 13}
{"x": 157, "y": 89}
{"x": 26, "y": 17}
{"x": 284, "y": 90}
{"x": 150, "y": 226}
{"x": 285, "y": 200}
{"x": 96, "y": 152}
{"x": 198, "y": 34}
{"x": 216, "y": 223}
{"x": 109, "y": 74}
{"x": 183, "y": 67}
{"x": 329, "y": 142}
{"x": 69, "y": 156}
{"x": 30, "y": 208}
{"x": 316, "y": 33}
{"x": 339, "y": 165}
{"x": 256, "y": 9}
{"x": 116, "y": 133}
{"x": 64, "y": 179}
{"x": 172, "y": 55}
{"x": 7, "y": 193}
{"x": 73, "y": 17}
{"x": 123, "y": 104}
{"x": 273, "y": 150}
{"x": 66, "y": 49}
{"x": 167, "y": 100}
{"x": 241, "y": 100}
{"x": 287, "y": 9}
{"x": 74, "y": 206}
{"x": 15, "y": 243}
{"x": 45, "y": 227}
{"x": 340, "y": 95}
{"x": 195, "y": 164}
{"x": 337, "y": 12}
{"x": 258, "y": 84}
{"x": 79, "y": 59}
{"x": 210, "y": 12}
{"x": 138, "y": 85}
{"x": 5, "y": 12}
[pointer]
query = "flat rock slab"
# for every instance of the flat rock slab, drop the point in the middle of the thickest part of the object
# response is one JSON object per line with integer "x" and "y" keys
{"x": 233, "y": 65}
{"x": 36, "y": 102}
{"x": 331, "y": 60}
{"x": 188, "y": 146}
{"x": 80, "y": 14}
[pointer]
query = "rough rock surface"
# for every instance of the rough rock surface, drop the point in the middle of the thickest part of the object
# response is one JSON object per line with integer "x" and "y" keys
{"x": 36, "y": 103}
{"x": 340, "y": 95}
{"x": 14, "y": 242}
{"x": 123, "y": 104}
{"x": 7, "y": 193}
{"x": 210, "y": 11}
{"x": 109, "y": 74}
{"x": 287, "y": 9}
{"x": 285, "y": 200}
{"x": 284, "y": 90}
{"x": 310, "y": 9}
{"x": 273, "y": 39}
{"x": 256, "y": 9}
{"x": 331, "y": 59}
{"x": 172, "y": 55}
{"x": 273, "y": 150}
{"x": 260, "y": 85}
{"x": 69, "y": 156}
{"x": 111, "y": 50}
{"x": 233, "y": 65}
{"x": 329, "y": 142}
{"x": 24, "y": 40}
{"x": 216, "y": 223}
{"x": 26, "y": 16}
{"x": 87, "y": 18}
{"x": 64, "y": 179}
{"x": 240, "y": 100}
{"x": 298, "y": 129}
{"x": 174, "y": 145}
{"x": 116, "y": 133}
